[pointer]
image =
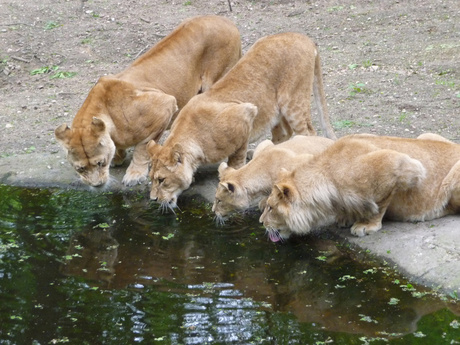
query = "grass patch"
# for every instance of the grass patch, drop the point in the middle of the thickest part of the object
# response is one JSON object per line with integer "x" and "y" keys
{"x": 344, "y": 124}
{"x": 349, "y": 124}
{"x": 43, "y": 70}
{"x": 358, "y": 88}
{"x": 63, "y": 75}
{"x": 367, "y": 63}
{"x": 52, "y": 25}
{"x": 56, "y": 75}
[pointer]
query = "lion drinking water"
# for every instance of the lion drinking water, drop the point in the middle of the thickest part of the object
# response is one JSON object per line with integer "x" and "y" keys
{"x": 137, "y": 105}
{"x": 363, "y": 178}
{"x": 239, "y": 189}
{"x": 268, "y": 89}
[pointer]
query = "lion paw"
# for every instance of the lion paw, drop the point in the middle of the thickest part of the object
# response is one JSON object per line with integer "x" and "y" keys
{"x": 133, "y": 179}
{"x": 363, "y": 229}
{"x": 135, "y": 176}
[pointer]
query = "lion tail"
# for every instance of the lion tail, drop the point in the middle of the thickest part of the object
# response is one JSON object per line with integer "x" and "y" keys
{"x": 320, "y": 99}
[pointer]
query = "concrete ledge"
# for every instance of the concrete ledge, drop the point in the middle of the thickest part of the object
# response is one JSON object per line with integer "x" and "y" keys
{"x": 426, "y": 252}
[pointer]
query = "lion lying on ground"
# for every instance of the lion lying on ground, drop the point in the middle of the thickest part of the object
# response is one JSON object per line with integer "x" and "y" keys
{"x": 240, "y": 189}
{"x": 138, "y": 104}
{"x": 268, "y": 89}
{"x": 362, "y": 178}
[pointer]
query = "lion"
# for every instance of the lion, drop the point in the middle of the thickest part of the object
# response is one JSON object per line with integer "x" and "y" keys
{"x": 362, "y": 178}
{"x": 239, "y": 189}
{"x": 138, "y": 104}
{"x": 268, "y": 89}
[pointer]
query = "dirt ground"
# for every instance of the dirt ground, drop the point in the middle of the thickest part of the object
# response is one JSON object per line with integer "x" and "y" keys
{"x": 390, "y": 67}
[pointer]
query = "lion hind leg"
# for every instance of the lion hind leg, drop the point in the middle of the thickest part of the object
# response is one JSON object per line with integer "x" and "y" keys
{"x": 374, "y": 224}
{"x": 238, "y": 158}
{"x": 392, "y": 171}
{"x": 119, "y": 158}
{"x": 295, "y": 111}
{"x": 448, "y": 197}
{"x": 281, "y": 132}
{"x": 433, "y": 136}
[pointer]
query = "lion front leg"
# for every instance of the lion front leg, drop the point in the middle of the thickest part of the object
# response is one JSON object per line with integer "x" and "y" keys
{"x": 139, "y": 167}
{"x": 362, "y": 229}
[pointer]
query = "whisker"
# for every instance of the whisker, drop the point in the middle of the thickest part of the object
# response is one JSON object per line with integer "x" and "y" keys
{"x": 216, "y": 219}
{"x": 220, "y": 221}
{"x": 166, "y": 206}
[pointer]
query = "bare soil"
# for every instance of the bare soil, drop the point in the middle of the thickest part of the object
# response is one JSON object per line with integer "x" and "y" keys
{"x": 390, "y": 67}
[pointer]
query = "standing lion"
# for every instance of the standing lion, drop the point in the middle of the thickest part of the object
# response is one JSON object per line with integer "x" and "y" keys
{"x": 134, "y": 106}
{"x": 269, "y": 89}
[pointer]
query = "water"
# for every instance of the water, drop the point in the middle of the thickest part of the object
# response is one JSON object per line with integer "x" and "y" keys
{"x": 86, "y": 268}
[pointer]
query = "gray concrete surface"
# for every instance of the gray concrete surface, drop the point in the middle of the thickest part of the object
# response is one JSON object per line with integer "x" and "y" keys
{"x": 426, "y": 252}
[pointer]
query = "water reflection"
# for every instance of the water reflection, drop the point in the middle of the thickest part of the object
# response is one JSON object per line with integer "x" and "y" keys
{"x": 110, "y": 269}
{"x": 231, "y": 277}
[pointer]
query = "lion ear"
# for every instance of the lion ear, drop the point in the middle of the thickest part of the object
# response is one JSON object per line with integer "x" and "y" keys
{"x": 223, "y": 168}
{"x": 283, "y": 173}
{"x": 229, "y": 186}
{"x": 63, "y": 134}
{"x": 178, "y": 153}
{"x": 285, "y": 192}
{"x": 152, "y": 148}
{"x": 262, "y": 146}
{"x": 97, "y": 126}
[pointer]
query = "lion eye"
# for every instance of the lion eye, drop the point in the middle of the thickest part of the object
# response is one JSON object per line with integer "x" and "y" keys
{"x": 161, "y": 180}
{"x": 80, "y": 169}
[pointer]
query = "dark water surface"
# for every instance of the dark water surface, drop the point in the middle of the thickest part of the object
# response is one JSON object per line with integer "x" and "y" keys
{"x": 86, "y": 268}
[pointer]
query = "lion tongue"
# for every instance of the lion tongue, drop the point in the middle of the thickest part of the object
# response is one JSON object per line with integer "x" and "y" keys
{"x": 274, "y": 237}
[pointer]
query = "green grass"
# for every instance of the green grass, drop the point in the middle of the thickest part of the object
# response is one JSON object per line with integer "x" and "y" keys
{"x": 52, "y": 25}
{"x": 344, "y": 124}
{"x": 56, "y": 75}
{"x": 367, "y": 63}
{"x": 357, "y": 87}
{"x": 43, "y": 70}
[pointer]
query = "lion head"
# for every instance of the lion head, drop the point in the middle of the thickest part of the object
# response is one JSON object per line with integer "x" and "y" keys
{"x": 89, "y": 150}
{"x": 288, "y": 211}
{"x": 170, "y": 173}
{"x": 230, "y": 195}
{"x": 115, "y": 115}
